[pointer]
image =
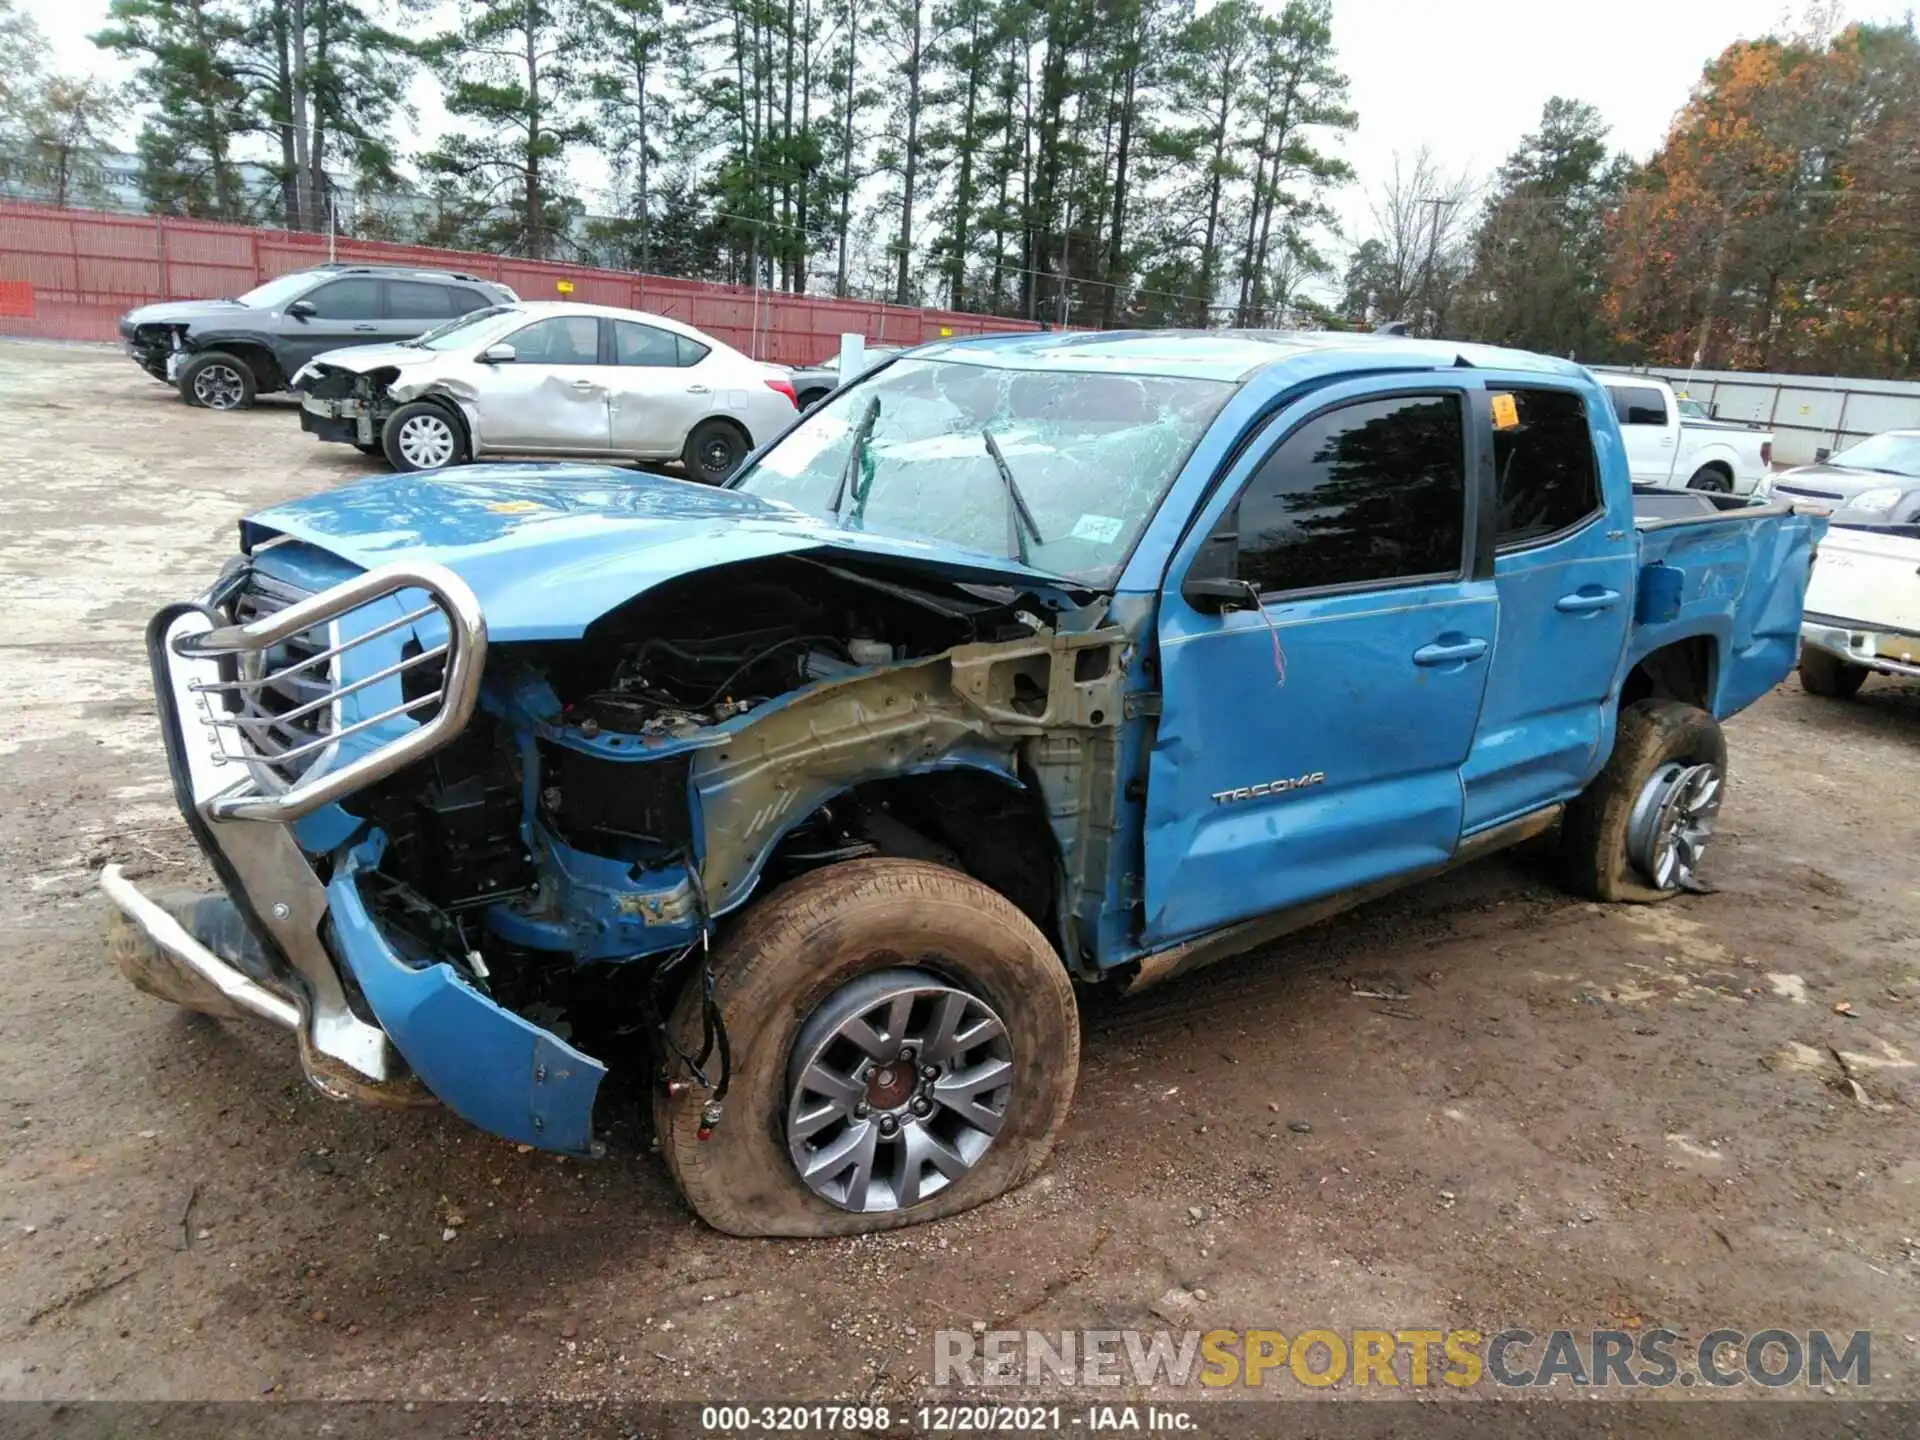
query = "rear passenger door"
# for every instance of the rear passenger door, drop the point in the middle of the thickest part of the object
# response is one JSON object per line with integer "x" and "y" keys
{"x": 1564, "y": 570}
{"x": 655, "y": 394}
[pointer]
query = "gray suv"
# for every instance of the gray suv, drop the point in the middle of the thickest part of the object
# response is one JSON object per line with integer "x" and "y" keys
{"x": 221, "y": 353}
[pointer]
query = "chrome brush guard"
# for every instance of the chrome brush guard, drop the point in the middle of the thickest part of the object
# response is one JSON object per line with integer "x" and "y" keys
{"x": 288, "y": 781}
{"x": 235, "y": 763}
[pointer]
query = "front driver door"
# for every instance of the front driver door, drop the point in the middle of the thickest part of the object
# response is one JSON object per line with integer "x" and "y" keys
{"x": 345, "y": 312}
{"x": 551, "y": 398}
{"x": 1314, "y": 743}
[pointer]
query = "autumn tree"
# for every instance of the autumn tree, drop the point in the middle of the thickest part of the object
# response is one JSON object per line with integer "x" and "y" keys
{"x": 1759, "y": 235}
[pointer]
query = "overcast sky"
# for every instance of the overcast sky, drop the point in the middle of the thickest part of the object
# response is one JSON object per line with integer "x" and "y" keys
{"x": 1465, "y": 77}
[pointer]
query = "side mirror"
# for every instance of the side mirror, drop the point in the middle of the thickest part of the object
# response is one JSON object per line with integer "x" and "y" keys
{"x": 303, "y": 309}
{"x": 1217, "y": 597}
{"x": 1820, "y": 455}
{"x": 501, "y": 354}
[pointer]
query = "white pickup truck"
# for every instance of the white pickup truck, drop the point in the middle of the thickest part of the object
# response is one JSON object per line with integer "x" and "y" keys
{"x": 1667, "y": 447}
{"x": 1863, "y": 603}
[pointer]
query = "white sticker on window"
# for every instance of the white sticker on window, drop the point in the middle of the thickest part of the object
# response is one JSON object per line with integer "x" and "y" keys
{"x": 1101, "y": 529}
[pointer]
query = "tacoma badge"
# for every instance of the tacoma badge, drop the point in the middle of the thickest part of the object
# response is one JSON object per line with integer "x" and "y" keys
{"x": 1269, "y": 787}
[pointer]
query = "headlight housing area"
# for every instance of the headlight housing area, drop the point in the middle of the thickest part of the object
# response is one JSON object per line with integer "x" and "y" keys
{"x": 1881, "y": 498}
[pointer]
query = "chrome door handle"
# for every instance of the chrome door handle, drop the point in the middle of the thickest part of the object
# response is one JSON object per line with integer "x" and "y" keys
{"x": 365, "y": 329}
{"x": 585, "y": 385}
{"x": 698, "y": 390}
{"x": 1587, "y": 602}
{"x": 1456, "y": 653}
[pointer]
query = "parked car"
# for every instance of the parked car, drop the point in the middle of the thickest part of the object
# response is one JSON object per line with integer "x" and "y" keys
{"x": 1023, "y": 659}
{"x": 1867, "y": 475}
{"x": 1665, "y": 446}
{"x": 222, "y": 353}
{"x": 1863, "y": 603}
{"x": 554, "y": 379}
{"x": 813, "y": 383}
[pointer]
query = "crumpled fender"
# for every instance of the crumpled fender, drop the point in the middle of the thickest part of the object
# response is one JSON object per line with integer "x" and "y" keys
{"x": 486, "y": 1064}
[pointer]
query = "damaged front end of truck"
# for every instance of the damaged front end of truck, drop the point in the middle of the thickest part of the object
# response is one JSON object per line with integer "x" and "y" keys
{"x": 481, "y": 813}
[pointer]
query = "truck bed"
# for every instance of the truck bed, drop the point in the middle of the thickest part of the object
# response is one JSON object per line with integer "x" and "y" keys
{"x": 1728, "y": 568}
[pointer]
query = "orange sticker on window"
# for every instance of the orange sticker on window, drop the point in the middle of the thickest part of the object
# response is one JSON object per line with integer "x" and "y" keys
{"x": 1506, "y": 414}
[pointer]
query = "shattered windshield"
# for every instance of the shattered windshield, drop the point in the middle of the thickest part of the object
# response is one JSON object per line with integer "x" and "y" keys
{"x": 1088, "y": 455}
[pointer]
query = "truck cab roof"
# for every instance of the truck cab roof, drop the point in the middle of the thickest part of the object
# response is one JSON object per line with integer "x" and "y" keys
{"x": 1236, "y": 355}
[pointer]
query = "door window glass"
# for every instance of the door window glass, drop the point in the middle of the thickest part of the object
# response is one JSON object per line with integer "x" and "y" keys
{"x": 558, "y": 340}
{"x": 1638, "y": 405}
{"x": 643, "y": 345}
{"x": 347, "y": 300}
{"x": 1545, "y": 476}
{"x": 418, "y": 300}
{"x": 1367, "y": 493}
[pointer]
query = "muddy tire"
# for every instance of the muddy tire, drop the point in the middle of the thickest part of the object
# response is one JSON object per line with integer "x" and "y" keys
{"x": 714, "y": 450}
{"x": 423, "y": 436}
{"x": 215, "y": 380}
{"x": 839, "y": 932}
{"x": 1829, "y": 676}
{"x": 1655, "y": 738}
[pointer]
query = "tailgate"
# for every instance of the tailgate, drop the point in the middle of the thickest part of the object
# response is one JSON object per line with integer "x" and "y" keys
{"x": 1869, "y": 578}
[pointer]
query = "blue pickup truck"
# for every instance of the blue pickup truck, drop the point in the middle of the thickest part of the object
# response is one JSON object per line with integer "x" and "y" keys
{"x": 1021, "y": 661}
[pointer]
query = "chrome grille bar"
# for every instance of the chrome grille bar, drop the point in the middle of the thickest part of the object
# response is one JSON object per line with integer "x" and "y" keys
{"x": 283, "y": 748}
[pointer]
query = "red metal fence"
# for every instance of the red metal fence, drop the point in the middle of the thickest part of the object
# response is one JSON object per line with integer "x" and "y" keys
{"x": 83, "y": 269}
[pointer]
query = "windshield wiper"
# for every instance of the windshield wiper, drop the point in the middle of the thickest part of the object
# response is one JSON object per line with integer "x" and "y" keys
{"x": 854, "y": 452}
{"x": 1018, "y": 514}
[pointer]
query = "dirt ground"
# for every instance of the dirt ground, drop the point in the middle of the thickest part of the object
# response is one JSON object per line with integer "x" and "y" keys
{"x": 1576, "y": 1116}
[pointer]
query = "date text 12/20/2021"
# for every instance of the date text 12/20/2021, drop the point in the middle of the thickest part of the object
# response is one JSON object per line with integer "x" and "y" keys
{"x": 942, "y": 1419}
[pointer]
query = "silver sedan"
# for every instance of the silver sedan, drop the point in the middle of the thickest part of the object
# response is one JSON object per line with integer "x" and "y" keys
{"x": 549, "y": 379}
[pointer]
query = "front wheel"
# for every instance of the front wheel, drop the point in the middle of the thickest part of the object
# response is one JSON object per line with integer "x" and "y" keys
{"x": 1639, "y": 831}
{"x": 421, "y": 436}
{"x": 216, "y": 380}
{"x": 904, "y": 1045}
{"x": 1829, "y": 676}
{"x": 714, "y": 451}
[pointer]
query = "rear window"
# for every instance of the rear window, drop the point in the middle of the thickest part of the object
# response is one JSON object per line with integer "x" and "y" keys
{"x": 1545, "y": 475}
{"x": 419, "y": 300}
{"x": 1638, "y": 405}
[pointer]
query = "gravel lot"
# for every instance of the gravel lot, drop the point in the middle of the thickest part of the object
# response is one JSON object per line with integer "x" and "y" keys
{"x": 1579, "y": 1116}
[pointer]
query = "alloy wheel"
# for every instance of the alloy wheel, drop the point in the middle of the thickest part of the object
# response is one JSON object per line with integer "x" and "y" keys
{"x": 218, "y": 387}
{"x": 1672, "y": 820}
{"x": 898, "y": 1085}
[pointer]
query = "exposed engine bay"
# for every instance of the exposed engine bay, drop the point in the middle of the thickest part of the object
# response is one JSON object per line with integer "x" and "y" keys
{"x": 731, "y": 730}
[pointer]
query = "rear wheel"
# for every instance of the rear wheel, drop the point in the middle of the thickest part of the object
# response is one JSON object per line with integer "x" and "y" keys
{"x": 904, "y": 1043}
{"x": 216, "y": 380}
{"x": 714, "y": 450}
{"x": 1640, "y": 830}
{"x": 423, "y": 436}
{"x": 1829, "y": 676}
{"x": 1711, "y": 477}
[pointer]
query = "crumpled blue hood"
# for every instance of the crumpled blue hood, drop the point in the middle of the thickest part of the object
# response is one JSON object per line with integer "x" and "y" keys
{"x": 548, "y": 549}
